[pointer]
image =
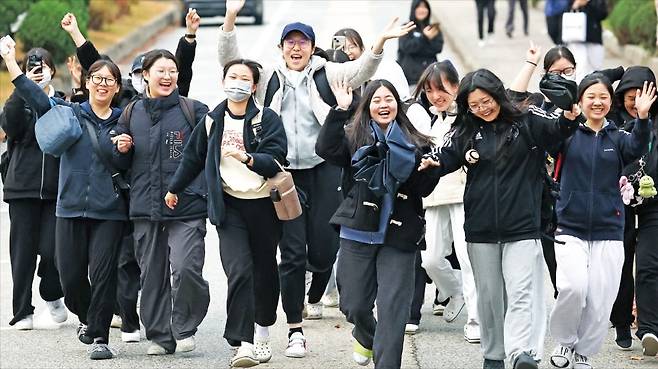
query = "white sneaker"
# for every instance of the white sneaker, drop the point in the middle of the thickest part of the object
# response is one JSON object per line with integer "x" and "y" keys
{"x": 561, "y": 357}
{"x": 581, "y": 362}
{"x": 649, "y": 344}
{"x": 57, "y": 310}
{"x": 262, "y": 349}
{"x": 244, "y": 357}
{"x": 472, "y": 332}
{"x": 25, "y": 324}
{"x": 155, "y": 349}
{"x": 296, "y": 346}
{"x": 313, "y": 311}
{"x": 116, "y": 322}
{"x": 454, "y": 307}
{"x": 186, "y": 345}
{"x": 411, "y": 329}
{"x": 481, "y": 43}
{"x": 130, "y": 336}
{"x": 331, "y": 299}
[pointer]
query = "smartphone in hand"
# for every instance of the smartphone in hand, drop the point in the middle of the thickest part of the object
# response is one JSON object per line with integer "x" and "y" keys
{"x": 338, "y": 43}
{"x": 5, "y": 43}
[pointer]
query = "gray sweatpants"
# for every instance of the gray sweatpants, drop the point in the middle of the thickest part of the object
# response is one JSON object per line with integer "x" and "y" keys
{"x": 178, "y": 245}
{"x": 368, "y": 273}
{"x": 510, "y": 284}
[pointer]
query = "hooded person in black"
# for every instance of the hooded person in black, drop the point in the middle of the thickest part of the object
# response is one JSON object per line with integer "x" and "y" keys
{"x": 639, "y": 239}
{"x": 418, "y": 49}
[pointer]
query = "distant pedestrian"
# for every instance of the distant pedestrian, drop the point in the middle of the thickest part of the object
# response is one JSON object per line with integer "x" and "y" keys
{"x": 490, "y": 7}
{"x": 553, "y": 9}
{"x": 418, "y": 49}
{"x": 509, "y": 25}
{"x": 590, "y": 53}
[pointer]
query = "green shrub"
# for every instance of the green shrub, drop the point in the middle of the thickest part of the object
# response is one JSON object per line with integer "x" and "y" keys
{"x": 634, "y": 22}
{"x": 9, "y": 11}
{"x": 41, "y": 27}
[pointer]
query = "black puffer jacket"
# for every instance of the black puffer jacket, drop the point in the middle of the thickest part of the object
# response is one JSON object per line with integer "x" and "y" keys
{"x": 415, "y": 50}
{"x": 31, "y": 173}
{"x": 504, "y": 187}
{"x": 160, "y": 133}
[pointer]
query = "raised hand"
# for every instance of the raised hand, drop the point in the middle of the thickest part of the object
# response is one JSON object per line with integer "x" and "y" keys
{"x": 8, "y": 49}
{"x": 33, "y": 75}
{"x": 533, "y": 54}
{"x": 573, "y": 114}
{"x": 234, "y": 6}
{"x": 171, "y": 200}
{"x": 75, "y": 69}
{"x": 644, "y": 99}
{"x": 431, "y": 31}
{"x": 392, "y": 30}
{"x": 428, "y": 162}
{"x": 343, "y": 93}
{"x": 192, "y": 21}
{"x": 69, "y": 23}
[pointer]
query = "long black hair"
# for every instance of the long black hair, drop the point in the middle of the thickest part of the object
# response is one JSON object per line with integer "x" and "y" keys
{"x": 359, "y": 133}
{"x": 487, "y": 81}
{"x": 432, "y": 76}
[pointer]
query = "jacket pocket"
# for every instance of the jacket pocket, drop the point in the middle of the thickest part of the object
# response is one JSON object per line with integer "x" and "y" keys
{"x": 103, "y": 197}
{"x": 607, "y": 212}
{"x": 73, "y": 190}
{"x": 575, "y": 209}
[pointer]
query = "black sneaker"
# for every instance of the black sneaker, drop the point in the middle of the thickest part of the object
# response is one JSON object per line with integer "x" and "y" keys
{"x": 82, "y": 334}
{"x": 525, "y": 361}
{"x": 100, "y": 351}
{"x": 493, "y": 364}
{"x": 623, "y": 338}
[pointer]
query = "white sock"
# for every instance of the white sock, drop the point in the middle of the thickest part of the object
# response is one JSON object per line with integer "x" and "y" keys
{"x": 262, "y": 332}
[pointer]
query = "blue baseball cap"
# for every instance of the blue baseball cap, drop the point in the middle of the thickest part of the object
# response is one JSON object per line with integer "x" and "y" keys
{"x": 299, "y": 27}
{"x": 137, "y": 63}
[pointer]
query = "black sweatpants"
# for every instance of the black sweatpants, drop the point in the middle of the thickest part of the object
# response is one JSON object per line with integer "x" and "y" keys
{"x": 646, "y": 280}
{"x": 366, "y": 274}
{"x": 554, "y": 28}
{"x": 32, "y": 233}
{"x": 247, "y": 246}
{"x": 491, "y": 16}
{"x": 622, "y": 310}
{"x": 128, "y": 283}
{"x": 548, "y": 249}
{"x": 509, "y": 25}
{"x": 87, "y": 251}
{"x": 420, "y": 279}
{"x": 309, "y": 242}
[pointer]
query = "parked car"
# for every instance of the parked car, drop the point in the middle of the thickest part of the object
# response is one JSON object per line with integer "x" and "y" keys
{"x": 214, "y": 8}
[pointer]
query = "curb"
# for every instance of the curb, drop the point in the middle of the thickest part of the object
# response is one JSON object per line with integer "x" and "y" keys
{"x": 632, "y": 54}
{"x": 138, "y": 37}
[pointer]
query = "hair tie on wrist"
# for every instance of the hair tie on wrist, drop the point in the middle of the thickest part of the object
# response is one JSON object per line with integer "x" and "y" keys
{"x": 192, "y": 35}
{"x": 528, "y": 61}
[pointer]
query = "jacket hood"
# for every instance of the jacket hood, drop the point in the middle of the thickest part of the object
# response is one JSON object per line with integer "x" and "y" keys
{"x": 412, "y": 15}
{"x": 634, "y": 77}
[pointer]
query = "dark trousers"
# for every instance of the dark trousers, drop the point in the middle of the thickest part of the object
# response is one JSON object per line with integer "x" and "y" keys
{"x": 32, "y": 233}
{"x": 175, "y": 297}
{"x": 420, "y": 279}
{"x": 366, "y": 274}
{"x": 128, "y": 283}
{"x": 491, "y": 16}
{"x": 646, "y": 280}
{"x": 247, "y": 245}
{"x": 548, "y": 249}
{"x": 509, "y": 25}
{"x": 554, "y": 28}
{"x": 622, "y": 310}
{"x": 309, "y": 242}
{"x": 87, "y": 251}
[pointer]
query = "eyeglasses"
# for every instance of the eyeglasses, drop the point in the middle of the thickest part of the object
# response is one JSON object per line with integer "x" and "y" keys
{"x": 486, "y": 104}
{"x": 97, "y": 80}
{"x": 569, "y": 71}
{"x": 290, "y": 43}
{"x": 161, "y": 73}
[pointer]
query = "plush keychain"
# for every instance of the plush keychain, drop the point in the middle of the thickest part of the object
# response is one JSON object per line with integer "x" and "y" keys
{"x": 626, "y": 189}
{"x": 647, "y": 188}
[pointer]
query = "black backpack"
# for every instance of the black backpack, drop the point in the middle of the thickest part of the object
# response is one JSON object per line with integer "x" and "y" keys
{"x": 186, "y": 104}
{"x": 321, "y": 82}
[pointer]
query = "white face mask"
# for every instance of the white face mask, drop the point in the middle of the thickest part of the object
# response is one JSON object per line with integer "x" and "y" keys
{"x": 237, "y": 90}
{"x": 138, "y": 83}
{"x": 570, "y": 78}
{"x": 47, "y": 77}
